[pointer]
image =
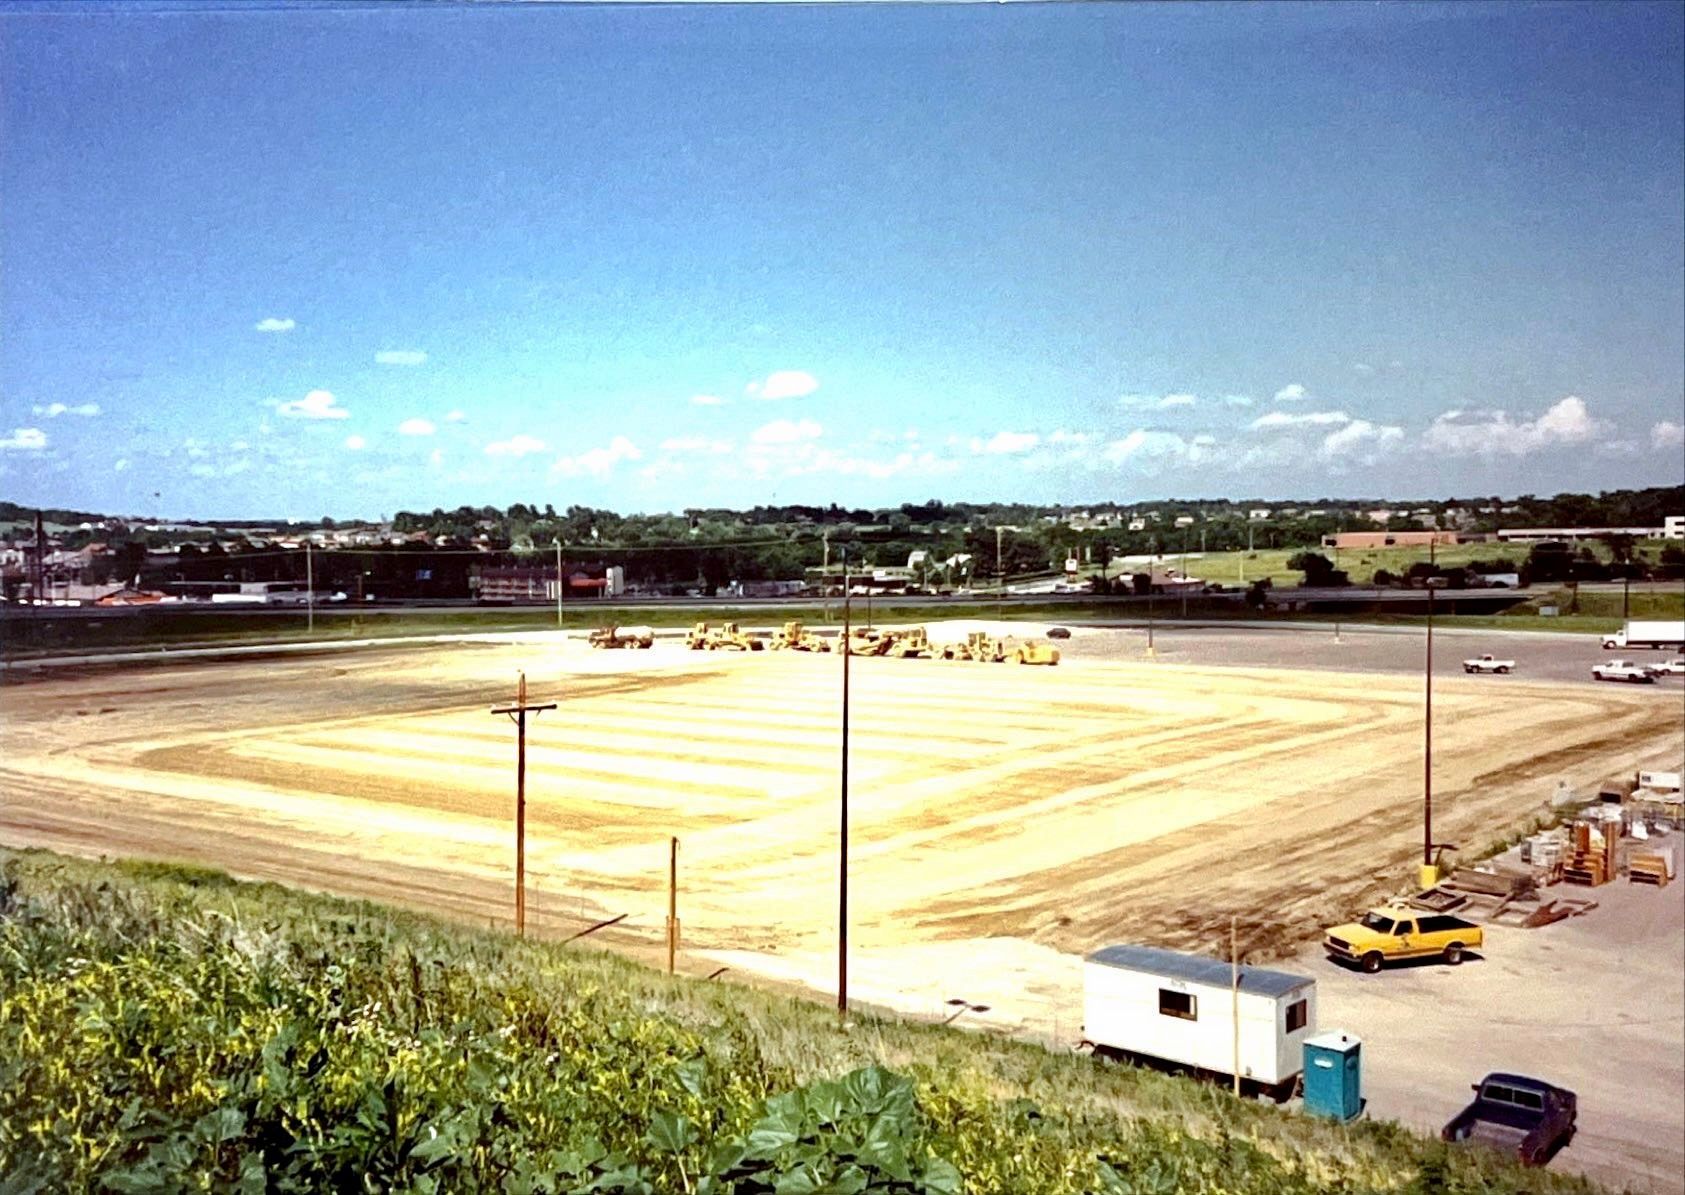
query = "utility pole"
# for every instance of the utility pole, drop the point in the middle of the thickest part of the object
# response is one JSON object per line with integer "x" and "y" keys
{"x": 842, "y": 841}
{"x": 518, "y": 714}
{"x": 1248, "y": 550}
{"x": 40, "y": 560}
{"x": 1336, "y": 603}
{"x": 825, "y": 575}
{"x": 1427, "y": 748}
{"x": 1234, "y": 995}
{"x": 1184, "y": 574}
{"x": 309, "y": 586}
{"x": 1152, "y": 592}
{"x": 672, "y": 905}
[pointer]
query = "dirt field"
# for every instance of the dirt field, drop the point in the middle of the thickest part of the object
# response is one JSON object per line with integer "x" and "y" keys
{"x": 1003, "y": 819}
{"x": 1069, "y": 807}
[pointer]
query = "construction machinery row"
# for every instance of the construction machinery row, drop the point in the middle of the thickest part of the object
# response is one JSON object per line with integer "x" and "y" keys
{"x": 914, "y": 643}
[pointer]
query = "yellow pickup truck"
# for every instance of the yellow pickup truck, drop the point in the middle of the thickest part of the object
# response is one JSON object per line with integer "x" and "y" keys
{"x": 1398, "y": 933}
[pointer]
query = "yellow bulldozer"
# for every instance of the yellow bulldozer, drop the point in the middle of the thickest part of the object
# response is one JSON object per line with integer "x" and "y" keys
{"x": 978, "y": 645}
{"x": 698, "y": 637}
{"x": 869, "y": 643}
{"x": 731, "y": 638}
{"x": 1036, "y": 652}
{"x": 795, "y": 637}
{"x": 912, "y": 644}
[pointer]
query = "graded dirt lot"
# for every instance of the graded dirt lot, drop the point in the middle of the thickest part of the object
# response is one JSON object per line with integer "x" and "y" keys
{"x": 1002, "y": 818}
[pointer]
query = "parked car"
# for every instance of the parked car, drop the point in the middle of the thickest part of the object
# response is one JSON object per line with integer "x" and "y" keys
{"x": 1488, "y": 663}
{"x": 1399, "y": 933}
{"x": 1058, "y": 633}
{"x": 1528, "y": 1118}
{"x": 1625, "y": 670}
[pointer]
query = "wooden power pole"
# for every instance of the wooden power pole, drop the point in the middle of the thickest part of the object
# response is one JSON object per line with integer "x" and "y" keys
{"x": 672, "y": 905}
{"x": 518, "y": 714}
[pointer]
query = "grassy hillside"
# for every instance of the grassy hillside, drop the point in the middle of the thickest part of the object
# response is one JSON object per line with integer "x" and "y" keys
{"x": 163, "y": 1029}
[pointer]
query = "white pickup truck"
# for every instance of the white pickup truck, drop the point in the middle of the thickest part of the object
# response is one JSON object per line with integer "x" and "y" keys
{"x": 1488, "y": 663}
{"x": 1638, "y": 674}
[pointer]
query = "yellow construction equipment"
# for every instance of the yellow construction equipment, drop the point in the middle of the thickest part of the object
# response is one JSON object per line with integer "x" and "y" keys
{"x": 869, "y": 643}
{"x": 622, "y": 637}
{"x": 912, "y": 644}
{"x": 730, "y": 638}
{"x": 790, "y": 638}
{"x": 698, "y": 637}
{"x": 1036, "y": 652}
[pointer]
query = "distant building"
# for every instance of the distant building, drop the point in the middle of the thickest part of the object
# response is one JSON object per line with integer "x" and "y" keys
{"x": 1184, "y": 520}
{"x": 1673, "y": 528}
{"x": 1347, "y": 540}
{"x": 1258, "y": 514}
{"x": 528, "y": 583}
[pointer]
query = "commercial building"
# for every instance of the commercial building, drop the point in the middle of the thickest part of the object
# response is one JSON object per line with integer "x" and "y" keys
{"x": 1347, "y": 540}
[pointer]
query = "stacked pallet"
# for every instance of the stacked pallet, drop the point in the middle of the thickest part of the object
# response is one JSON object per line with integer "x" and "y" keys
{"x": 1655, "y": 865}
{"x": 1592, "y": 860}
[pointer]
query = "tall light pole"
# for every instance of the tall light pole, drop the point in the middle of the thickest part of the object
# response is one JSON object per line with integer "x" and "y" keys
{"x": 1337, "y": 604}
{"x": 1152, "y": 589}
{"x": 1000, "y": 575}
{"x": 561, "y": 583}
{"x": 842, "y": 838}
{"x": 1428, "y": 876}
{"x": 309, "y": 589}
{"x": 1184, "y": 573}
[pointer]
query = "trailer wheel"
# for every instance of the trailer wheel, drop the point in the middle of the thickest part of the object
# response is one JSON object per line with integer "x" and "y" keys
{"x": 1453, "y": 954}
{"x": 1372, "y": 962}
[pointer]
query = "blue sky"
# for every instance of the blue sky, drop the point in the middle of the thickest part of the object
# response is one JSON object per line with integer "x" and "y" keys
{"x": 295, "y": 261}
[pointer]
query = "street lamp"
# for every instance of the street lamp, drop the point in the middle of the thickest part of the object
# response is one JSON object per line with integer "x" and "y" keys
{"x": 1000, "y": 575}
{"x": 1429, "y": 876}
{"x": 1152, "y": 590}
{"x": 561, "y": 582}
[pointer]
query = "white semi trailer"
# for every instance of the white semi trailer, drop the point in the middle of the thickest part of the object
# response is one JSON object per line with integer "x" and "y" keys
{"x": 1668, "y": 636}
{"x": 1146, "y": 1004}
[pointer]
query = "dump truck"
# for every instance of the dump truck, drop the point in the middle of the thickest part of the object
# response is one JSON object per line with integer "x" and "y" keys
{"x": 1393, "y": 933}
{"x": 1036, "y": 652}
{"x": 638, "y": 637}
{"x": 1528, "y": 1119}
{"x": 1659, "y": 633}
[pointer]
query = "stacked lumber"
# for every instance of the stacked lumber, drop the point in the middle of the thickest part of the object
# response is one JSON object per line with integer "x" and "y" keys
{"x": 1654, "y": 865}
{"x": 1592, "y": 861}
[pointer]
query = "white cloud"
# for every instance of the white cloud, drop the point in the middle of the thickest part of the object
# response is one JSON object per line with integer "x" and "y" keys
{"x": 24, "y": 439}
{"x": 1668, "y": 434}
{"x": 785, "y": 431}
{"x": 195, "y": 448}
{"x": 238, "y": 446}
{"x": 696, "y": 446}
{"x": 516, "y": 446}
{"x": 1236, "y": 400}
{"x": 1144, "y": 445}
{"x": 1005, "y": 443}
{"x": 1065, "y": 437}
{"x": 356, "y": 443}
{"x": 318, "y": 404}
{"x": 706, "y": 400}
{"x": 436, "y": 457}
{"x": 120, "y": 465}
{"x": 1361, "y": 439}
{"x": 456, "y": 417}
{"x": 274, "y": 325}
{"x": 1309, "y": 418}
{"x": 783, "y": 383}
{"x": 416, "y": 427}
{"x": 1495, "y": 433}
{"x": 54, "y": 409}
{"x": 1362, "y": 367}
{"x": 1154, "y": 402}
{"x": 598, "y": 462}
{"x": 1292, "y": 392}
{"x": 400, "y": 357}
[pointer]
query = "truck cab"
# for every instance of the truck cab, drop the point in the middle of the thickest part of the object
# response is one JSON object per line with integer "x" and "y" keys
{"x": 1386, "y": 934}
{"x": 1526, "y": 1118}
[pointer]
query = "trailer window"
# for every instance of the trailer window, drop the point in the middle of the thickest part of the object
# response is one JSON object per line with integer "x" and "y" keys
{"x": 1178, "y": 1004}
{"x": 1297, "y": 1014}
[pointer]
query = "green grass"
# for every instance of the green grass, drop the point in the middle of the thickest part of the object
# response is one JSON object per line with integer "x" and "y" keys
{"x": 160, "y": 1031}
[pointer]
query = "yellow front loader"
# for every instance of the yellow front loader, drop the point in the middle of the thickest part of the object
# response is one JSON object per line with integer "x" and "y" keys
{"x": 1036, "y": 652}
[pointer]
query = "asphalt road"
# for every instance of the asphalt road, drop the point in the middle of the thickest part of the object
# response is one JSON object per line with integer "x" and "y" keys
{"x": 1538, "y": 655}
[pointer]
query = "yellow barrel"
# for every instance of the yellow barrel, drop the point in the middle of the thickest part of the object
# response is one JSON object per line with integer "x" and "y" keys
{"x": 1427, "y": 876}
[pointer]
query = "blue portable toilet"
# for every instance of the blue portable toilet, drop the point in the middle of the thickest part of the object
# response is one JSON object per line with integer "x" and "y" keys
{"x": 1334, "y": 1075}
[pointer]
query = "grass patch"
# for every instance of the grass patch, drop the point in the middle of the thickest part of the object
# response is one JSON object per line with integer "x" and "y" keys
{"x": 161, "y": 1031}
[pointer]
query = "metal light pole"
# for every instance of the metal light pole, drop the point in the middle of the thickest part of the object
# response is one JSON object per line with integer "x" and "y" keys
{"x": 842, "y": 839}
{"x": 1152, "y": 599}
{"x": 1000, "y": 575}
{"x": 1184, "y": 575}
{"x": 561, "y": 583}
{"x": 1336, "y": 604}
{"x": 309, "y": 589}
{"x": 1427, "y": 749}
{"x": 1626, "y": 597}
